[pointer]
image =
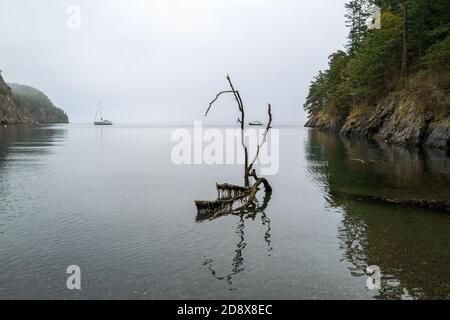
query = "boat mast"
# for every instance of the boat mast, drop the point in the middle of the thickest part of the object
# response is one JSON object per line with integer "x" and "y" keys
{"x": 96, "y": 114}
{"x": 101, "y": 113}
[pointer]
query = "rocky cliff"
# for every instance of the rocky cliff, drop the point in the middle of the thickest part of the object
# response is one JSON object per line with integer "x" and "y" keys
{"x": 8, "y": 109}
{"x": 21, "y": 104}
{"x": 399, "y": 118}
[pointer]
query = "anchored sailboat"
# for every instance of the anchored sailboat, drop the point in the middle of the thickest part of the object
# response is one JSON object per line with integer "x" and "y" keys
{"x": 255, "y": 123}
{"x": 102, "y": 122}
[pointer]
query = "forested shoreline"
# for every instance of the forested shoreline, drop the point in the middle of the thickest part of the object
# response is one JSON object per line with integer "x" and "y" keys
{"x": 391, "y": 82}
{"x": 20, "y": 104}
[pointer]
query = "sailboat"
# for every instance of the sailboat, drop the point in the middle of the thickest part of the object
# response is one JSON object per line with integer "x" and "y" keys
{"x": 255, "y": 123}
{"x": 102, "y": 122}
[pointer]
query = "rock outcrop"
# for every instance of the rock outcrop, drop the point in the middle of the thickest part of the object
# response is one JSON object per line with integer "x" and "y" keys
{"x": 8, "y": 109}
{"x": 398, "y": 119}
{"x": 21, "y": 104}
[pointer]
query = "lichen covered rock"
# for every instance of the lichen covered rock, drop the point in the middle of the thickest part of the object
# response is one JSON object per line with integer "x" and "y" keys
{"x": 397, "y": 119}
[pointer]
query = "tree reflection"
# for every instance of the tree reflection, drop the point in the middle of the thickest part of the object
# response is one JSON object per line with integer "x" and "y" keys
{"x": 237, "y": 263}
{"x": 409, "y": 245}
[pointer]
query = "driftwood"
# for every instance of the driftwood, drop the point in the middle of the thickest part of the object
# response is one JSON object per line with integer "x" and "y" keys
{"x": 268, "y": 127}
{"x": 432, "y": 205}
{"x": 229, "y": 195}
{"x": 248, "y": 167}
{"x": 228, "y": 191}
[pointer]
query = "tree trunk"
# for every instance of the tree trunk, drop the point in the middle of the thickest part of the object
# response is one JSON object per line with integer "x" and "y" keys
{"x": 405, "y": 42}
{"x": 248, "y": 167}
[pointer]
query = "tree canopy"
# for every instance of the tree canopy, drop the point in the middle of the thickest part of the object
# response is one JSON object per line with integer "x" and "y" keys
{"x": 414, "y": 38}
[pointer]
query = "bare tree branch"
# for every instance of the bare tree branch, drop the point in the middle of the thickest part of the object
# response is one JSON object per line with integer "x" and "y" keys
{"x": 240, "y": 104}
{"x": 229, "y": 194}
{"x": 215, "y": 99}
{"x": 236, "y": 95}
{"x": 251, "y": 197}
{"x": 241, "y": 109}
{"x": 268, "y": 127}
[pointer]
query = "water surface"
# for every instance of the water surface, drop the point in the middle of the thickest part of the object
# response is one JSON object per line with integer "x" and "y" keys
{"x": 111, "y": 201}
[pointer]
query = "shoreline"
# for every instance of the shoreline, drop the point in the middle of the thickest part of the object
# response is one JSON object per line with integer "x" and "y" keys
{"x": 396, "y": 120}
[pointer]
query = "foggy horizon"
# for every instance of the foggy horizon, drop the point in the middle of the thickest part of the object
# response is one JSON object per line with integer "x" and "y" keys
{"x": 231, "y": 158}
{"x": 162, "y": 63}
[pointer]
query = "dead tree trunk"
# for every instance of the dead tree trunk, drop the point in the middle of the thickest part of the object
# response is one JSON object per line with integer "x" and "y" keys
{"x": 230, "y": 194}
{"x": 238, "y": 98}
{"x": 248, "y": 167}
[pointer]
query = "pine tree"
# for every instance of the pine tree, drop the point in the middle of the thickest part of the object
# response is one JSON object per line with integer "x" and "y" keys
{"x": 357, "y": 16}
{"x": 413, "y": 42}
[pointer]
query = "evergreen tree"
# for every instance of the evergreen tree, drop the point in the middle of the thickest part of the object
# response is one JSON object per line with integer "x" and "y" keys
{"x": 357, "y": 16}
{"x": 414, "y": 41}
{"x": 317, "y": 96}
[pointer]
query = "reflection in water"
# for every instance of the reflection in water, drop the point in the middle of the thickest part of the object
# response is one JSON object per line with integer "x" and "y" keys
{"x": 30, "y": 144}
{"x": 24, "y": 148}
{"x": 238, "y": 259}
{"x": 30, "y": 139}
{"x": 237, "y": 264}
{"x": 409, "y": 245}
{"x": 267, "y": 236}
{"x": 371, "y": 168}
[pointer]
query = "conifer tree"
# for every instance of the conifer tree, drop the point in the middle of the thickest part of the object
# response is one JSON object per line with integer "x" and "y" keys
{"x": 357, "y": 16}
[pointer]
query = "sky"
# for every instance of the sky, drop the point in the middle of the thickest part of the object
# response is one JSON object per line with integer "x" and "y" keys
{"x": 162, "y": 61}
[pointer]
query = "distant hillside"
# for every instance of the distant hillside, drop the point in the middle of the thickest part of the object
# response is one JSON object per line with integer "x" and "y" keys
{"x": 35, "y": 106}
{"x": 24, "y": 104}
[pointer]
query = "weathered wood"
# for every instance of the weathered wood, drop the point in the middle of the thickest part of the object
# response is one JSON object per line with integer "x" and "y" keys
{"x": 227, "y": 186}
{"x": 229, "y": 194}
{"x": 248, "y": 166}
{"x": 250, "y": 203}
{"x": 215, "y": 99}
{"x": 229, "y": 191}
{"x": 233, "y": 194}
{"x": 268, "y": 127}
{"x": 222, "y": 203}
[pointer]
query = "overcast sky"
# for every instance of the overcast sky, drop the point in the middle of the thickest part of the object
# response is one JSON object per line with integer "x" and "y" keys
{"x": 162, "y": 61}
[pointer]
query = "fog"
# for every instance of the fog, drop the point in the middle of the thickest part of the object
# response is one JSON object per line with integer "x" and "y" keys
{"x": 161, "y": 62}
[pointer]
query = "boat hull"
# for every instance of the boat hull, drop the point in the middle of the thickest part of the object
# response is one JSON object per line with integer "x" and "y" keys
{"x": 103, "y": 123}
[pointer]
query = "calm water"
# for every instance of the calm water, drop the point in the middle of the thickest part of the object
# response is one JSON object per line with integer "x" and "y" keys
{"x": 111, "y": 201}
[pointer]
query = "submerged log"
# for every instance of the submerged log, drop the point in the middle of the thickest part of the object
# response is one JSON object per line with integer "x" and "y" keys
{"x": 229, "y": 191}
{"x": 209, "y": 207}
{"x": 227, "y": 186}
{"x": 432, "y": 205}
{"x": 220, "y": 206}
{"x": 229, "y": 195}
